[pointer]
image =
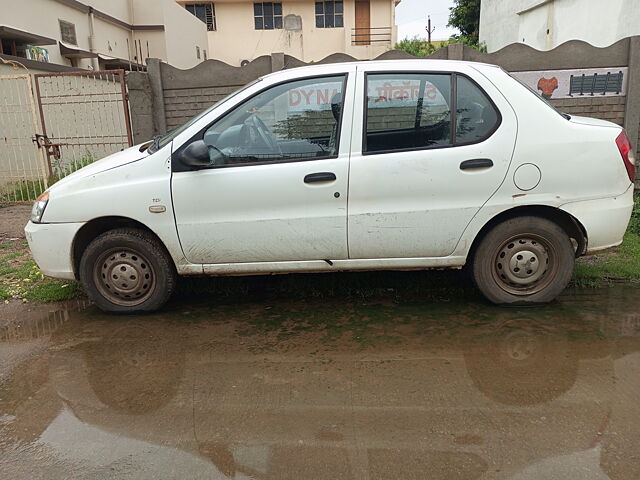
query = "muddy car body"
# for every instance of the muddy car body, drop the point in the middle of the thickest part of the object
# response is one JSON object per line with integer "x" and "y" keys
{"x": 357, "y": 166}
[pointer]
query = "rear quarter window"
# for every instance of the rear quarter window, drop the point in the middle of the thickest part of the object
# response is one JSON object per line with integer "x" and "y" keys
{"x": 476, "y": 117}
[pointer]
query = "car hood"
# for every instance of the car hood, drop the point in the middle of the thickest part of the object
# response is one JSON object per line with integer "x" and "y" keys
{"x": 596, "y": 122}
{"x": 115, "y": 160}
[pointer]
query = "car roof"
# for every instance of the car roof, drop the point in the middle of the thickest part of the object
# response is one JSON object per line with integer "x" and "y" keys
{"x": 404, "y": 64}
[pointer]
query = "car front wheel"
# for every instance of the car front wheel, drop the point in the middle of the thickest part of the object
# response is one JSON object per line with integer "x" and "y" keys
{"x": 126, "y": 270}
{"x": 523, "y": 260}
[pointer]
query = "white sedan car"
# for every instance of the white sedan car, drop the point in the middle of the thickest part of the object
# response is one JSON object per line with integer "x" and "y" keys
{"x": 396, "y": 165}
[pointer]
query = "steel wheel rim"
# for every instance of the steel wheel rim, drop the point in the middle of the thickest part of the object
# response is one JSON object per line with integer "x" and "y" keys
{"x": 124, "y": 277}
{"x": 524, "y": 264}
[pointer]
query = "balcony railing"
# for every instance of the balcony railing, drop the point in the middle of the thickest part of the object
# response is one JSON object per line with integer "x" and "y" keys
{"x": 369, "y": 36}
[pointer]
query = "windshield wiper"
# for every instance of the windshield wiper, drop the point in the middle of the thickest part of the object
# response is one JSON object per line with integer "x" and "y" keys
{"x": 152, "y": 145}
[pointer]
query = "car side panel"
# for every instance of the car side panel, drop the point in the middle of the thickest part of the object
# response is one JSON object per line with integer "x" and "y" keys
{"x": 125, "y": 191}
{"x": 417, "y": 203}
{"x": 577, "y": 162}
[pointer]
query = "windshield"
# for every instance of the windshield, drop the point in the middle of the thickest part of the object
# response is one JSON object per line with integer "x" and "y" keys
{"x": 162, "y": 140}
{"x": 538, "y": 96}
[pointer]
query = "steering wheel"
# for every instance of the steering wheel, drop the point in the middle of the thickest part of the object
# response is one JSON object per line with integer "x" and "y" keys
{"x": 265, "y": 134}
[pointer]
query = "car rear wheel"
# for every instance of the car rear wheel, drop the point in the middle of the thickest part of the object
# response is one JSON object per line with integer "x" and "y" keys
{"x": 127, "y": 270}
{"x": 524, "y": 260}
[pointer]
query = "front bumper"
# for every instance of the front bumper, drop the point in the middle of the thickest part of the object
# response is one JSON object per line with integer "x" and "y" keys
{"x": 51, "y": 245}
{"x": 605, "y": 220}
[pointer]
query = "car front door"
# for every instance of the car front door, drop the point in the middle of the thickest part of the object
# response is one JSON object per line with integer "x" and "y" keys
{"x": 276, "y": 186}
{"x": 431, "y": 149}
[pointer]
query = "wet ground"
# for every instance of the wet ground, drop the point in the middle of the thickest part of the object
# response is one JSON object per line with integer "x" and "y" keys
{"x": 326, "y": 389}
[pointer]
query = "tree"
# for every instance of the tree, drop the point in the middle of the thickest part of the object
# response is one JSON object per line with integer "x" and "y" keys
{"x": 465, "y": 16}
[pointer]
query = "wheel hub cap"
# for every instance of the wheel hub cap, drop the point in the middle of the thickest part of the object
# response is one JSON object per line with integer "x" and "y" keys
{"x": 522, "y": 264}
{"x": 124, "y": 277}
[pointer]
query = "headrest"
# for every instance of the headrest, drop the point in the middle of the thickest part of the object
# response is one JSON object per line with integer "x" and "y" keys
{"x": 336, "y": 105}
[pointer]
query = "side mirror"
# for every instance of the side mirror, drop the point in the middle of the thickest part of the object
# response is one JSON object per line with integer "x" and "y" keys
{"x": 196, "y": 155}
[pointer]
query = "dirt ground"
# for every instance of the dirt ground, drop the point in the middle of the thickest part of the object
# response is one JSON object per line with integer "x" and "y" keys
{"x": 325, "y": 389}
{"x": 21, "y": 281}
{"x": 12, "y": 221}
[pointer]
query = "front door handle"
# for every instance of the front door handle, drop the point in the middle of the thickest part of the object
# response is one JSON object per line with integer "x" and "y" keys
{"x": 476, "y": 163}
{"x": 320, "y": 177}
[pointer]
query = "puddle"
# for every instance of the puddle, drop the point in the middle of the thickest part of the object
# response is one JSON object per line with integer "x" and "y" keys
{"x": 326, "y": 389}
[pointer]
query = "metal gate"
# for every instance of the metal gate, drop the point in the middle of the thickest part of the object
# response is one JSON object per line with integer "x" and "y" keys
{"x": 23, "y": 167}
{"x": 84, "y": 115}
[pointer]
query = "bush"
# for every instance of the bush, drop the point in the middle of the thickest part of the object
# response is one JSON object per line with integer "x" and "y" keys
{"x": 418, "y": 47}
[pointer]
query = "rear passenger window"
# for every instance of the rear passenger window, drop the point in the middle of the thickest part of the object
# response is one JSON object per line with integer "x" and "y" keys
{"x": 407, "y": 111}
{"x": 476, "y": 117}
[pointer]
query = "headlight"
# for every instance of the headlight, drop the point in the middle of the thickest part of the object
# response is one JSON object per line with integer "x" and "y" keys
{"x": 38, "y": 207}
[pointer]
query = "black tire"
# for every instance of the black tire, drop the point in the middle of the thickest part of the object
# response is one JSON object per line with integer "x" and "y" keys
{"x": 504, "y": 265}
{"x": 126, "y": 270}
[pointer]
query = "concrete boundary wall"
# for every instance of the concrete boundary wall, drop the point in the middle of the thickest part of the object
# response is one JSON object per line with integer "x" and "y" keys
{"x": 165, "y": 97}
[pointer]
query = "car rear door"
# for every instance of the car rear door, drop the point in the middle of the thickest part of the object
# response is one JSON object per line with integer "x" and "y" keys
{"x": 429, "y": 149}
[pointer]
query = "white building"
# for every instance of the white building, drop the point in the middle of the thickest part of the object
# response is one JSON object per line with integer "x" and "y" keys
{"x": 97, "y": 34}
{"x": 545, "y": 24}
{"x": 310, "y": 30}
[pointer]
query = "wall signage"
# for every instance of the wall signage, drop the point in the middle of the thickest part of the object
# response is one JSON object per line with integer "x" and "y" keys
{"x": 552, "y": 84}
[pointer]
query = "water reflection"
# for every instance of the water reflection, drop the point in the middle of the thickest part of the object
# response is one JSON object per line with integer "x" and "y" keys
{"x": 288, "y": 390}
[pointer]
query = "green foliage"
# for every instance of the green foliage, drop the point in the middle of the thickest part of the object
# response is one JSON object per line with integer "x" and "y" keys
{"x": 418, "y": 47}
{"x": 30, "y": 189}
{"x": 62, "y": 169}
{"x": 422, "y": 48}
{"x": 481, "y": 47}
{"x": 21, "y": 279}
{"x": 53, "y": 291}
{"x": 21, "y": 191}
{"x": 622, "y": 264}
{"x": 465, "y": 16}
{"x": 634, "y": 224}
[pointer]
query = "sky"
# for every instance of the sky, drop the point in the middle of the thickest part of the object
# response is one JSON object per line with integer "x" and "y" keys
{"x": 411, "y": 18}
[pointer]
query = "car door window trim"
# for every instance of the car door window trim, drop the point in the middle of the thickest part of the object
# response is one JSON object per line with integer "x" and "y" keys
{"x": 453, "y": 114}
{"x": 177, "y": 166}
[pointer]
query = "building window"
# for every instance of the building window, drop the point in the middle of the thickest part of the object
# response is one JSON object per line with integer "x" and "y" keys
{"x": 267, "y": 15}
{"x": 329, "y": 15}
{"x": 68, "y": 32}
{"x": 198, "y": 52}
{"x": 204, "y": 54}
{"x": 206, "y": 12}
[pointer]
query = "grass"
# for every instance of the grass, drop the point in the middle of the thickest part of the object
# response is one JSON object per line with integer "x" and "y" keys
{"x": 26, "y": 190}
{"x": 4, "y": 293}
{"x": 20, "y": 278}
{"x": 22, "y": 191}
{"x": 619, "y": 265}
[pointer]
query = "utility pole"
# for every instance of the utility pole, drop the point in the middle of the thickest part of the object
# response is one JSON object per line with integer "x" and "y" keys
{"x": 428, "y": 28}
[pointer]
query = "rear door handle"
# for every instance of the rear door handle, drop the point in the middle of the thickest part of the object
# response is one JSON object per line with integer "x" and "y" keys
{"x": 320, "y": 177}
{"x": 476, "y": 163}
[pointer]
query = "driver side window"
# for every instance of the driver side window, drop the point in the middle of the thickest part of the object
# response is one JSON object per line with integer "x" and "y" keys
{"x": 294, "y": 121}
